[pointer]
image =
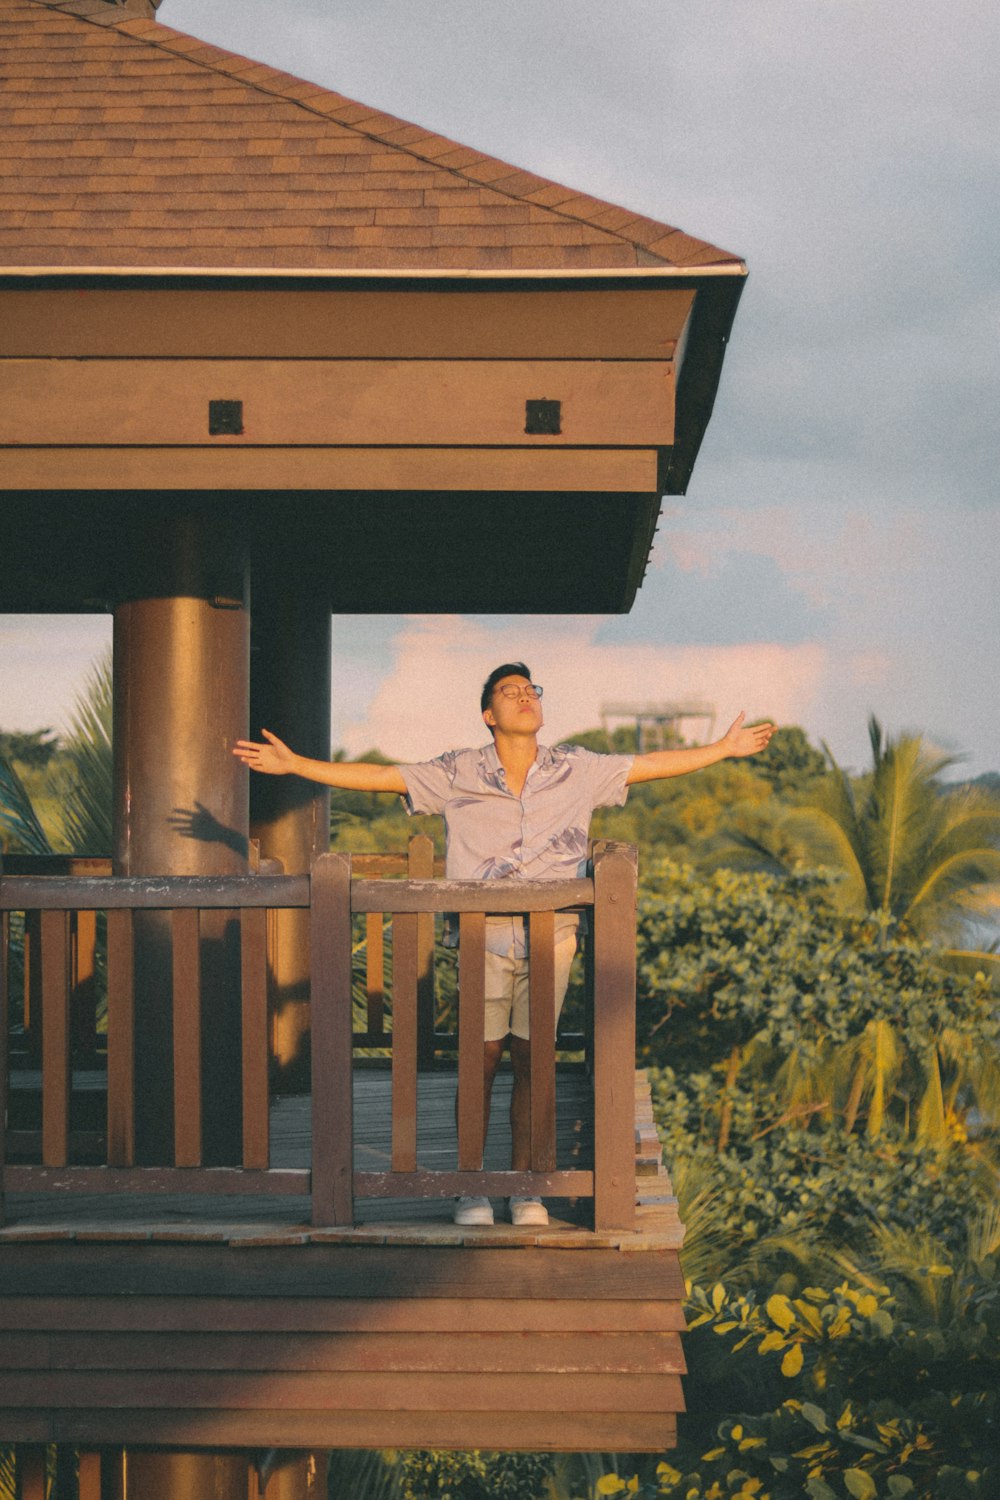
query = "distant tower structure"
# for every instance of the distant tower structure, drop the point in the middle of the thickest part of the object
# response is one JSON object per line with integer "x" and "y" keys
{"x": 658, "y": 725}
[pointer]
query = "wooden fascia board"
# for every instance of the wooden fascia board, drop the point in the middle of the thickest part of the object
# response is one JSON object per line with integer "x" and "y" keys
{"x": 698, "y": 378}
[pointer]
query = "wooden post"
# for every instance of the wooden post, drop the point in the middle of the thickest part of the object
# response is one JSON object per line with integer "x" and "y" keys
{"x": 420, "y": 866}
{"x": 614, "y": 1035}
{"x": 332, "y": 1041}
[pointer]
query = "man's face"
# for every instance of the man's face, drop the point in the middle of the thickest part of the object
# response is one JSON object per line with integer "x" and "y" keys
{"x": 516, "y": 710}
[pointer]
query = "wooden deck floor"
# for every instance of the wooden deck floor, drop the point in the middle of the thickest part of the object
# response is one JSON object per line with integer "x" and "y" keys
{"x": 253, "y": 1217}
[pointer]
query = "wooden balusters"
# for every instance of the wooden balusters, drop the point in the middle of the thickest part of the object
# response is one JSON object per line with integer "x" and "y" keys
{"x": 187, "y": 1037}
{"x": 332, "y": 1029}
{"x": 542, "y": 1013}
{"x": 55, "y": 1038}
{"x": 404, "y": 1042}
{"x": 121, "y": 1039}
{"x": 256, "y": 1094}
{"x": 375, "y": 976}
{"x": 420, "y": 866}
{"x": 471, "y": 1017}
{"x": 614, "y": 1035}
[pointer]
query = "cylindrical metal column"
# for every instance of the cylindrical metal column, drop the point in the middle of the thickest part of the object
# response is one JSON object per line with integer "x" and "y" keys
{"x": 181, "y": 695}
{"x": 290, "y": 695}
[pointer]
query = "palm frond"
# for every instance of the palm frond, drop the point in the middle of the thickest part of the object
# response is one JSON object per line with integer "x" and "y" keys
{"x": 18, "y": 819}
{"x": 87, "y": 812}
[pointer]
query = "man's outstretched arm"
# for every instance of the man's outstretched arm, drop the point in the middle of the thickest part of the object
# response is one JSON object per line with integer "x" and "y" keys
{"x": 737, "y": 741}
{"x": 276, "y": 759}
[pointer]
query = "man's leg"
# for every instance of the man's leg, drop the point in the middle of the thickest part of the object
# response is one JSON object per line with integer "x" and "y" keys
{"x": 477, "y": 1210}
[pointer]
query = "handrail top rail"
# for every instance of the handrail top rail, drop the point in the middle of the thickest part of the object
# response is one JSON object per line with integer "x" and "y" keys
{"x": 280, "y": 892}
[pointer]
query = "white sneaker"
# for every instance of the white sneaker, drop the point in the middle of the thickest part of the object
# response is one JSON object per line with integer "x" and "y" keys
{"x": 528, "y": 1211}
{"x": 473, "y": 1211}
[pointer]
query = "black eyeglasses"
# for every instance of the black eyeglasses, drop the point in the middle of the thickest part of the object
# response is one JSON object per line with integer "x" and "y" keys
{"x": 527, "y": 689}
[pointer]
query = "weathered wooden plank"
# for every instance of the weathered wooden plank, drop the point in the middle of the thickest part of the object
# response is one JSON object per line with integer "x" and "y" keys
{"x": 186, "y": 943}
{"x": 149, "y": 1315}
{"x": 151, "y": 893}
{"x": 621, "y": 403}
{"x": 471, "y": 1029}
{"x": 256, "y": 1097}
{"x": 332, "y": 1024}
{"x": 212, "y": 1181}
{"x": 604, "y": 1431}
{"x": 541, "y": 990}
{"x": 121, "y": 1039}
{"x": 367, "y": 1271}
{"x": 571, "y": 1183}
{"x": 55, "y": 1038}
{"x": 469, "y": 895}
{"x": 330, "y": 321}
{"x": 630, "y": 471}
{"x": 357, "y": 1390}
{"x": 481, "y": 1352}
{"x": 614, "y": 1036}
{"x": 404, "y": 1043}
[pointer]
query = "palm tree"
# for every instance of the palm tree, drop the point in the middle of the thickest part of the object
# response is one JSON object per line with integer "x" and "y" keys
{"x": 904, "y": 844}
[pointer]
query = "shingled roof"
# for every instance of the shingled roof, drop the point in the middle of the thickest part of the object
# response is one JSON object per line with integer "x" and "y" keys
{"x": 124, "y": 143}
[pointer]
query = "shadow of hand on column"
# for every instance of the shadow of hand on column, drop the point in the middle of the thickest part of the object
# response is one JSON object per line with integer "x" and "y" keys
{"x": 198, "y": 823}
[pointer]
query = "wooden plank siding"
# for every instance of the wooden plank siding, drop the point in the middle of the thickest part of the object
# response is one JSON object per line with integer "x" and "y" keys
{"x": 339, "y": 1346}
{"x": 371, "y": 403}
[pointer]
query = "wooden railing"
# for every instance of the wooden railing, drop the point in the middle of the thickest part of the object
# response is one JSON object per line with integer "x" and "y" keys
{"x": 333, "y": 899}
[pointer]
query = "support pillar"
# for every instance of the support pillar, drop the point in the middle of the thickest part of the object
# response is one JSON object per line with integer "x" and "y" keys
{"x": 290, "y": 695}
{"x": 181, "y": 696}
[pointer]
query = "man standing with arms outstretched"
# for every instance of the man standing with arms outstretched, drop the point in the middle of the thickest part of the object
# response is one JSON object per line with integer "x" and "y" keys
{"x": 513, "y": 809}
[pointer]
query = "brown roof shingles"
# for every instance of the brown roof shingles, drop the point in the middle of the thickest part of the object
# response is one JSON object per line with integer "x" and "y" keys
{"x": 127, "y": 143}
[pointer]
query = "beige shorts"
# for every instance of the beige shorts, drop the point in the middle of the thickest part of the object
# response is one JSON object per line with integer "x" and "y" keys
{"x": 507, "y": 989}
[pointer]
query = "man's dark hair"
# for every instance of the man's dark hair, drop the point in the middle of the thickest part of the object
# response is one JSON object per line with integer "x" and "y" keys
{"x": 508, "y": 669}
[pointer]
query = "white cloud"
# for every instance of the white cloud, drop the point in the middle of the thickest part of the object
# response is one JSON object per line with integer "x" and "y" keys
{"x": 429, "y": 702}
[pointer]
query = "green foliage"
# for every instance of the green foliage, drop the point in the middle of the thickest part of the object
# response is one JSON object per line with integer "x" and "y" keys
{"x": 475, "y": 1476}
{"x": 790, "y": 763}
{"x": 20, "y": 826}
{"x": 770, "y": 1004}
{"x": 33, "y": 749}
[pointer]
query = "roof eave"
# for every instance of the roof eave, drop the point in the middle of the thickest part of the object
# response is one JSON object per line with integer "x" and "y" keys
{"x": 735, "y": 268}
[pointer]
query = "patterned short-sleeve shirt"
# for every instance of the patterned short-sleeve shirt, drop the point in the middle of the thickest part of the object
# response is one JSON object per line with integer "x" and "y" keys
{"x": 491, "y": 834}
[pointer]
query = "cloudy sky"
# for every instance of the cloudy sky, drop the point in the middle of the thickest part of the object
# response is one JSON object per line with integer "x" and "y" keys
{"x": 837, "y": 553}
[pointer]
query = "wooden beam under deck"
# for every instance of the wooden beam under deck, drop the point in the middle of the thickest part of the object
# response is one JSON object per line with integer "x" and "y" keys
{"x": 141, "y": 1323}
{"x": 205, "y": 1345}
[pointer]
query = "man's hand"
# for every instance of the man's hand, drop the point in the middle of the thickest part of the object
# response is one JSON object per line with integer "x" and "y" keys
{"x": 737, "y": 741}
{"x": 276, "y": 759}
{"x": 273, "y": 759}
{"x": 740, "y": 740}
